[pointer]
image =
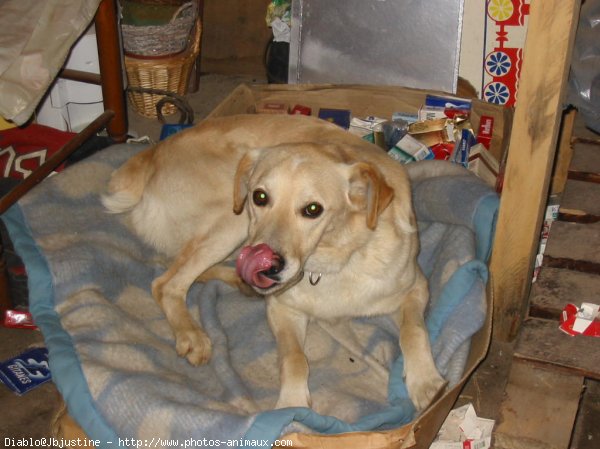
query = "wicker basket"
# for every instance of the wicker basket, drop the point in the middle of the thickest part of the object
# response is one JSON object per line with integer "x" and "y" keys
{"x": 171, "y": 74}
{"x": 161, "y": 40}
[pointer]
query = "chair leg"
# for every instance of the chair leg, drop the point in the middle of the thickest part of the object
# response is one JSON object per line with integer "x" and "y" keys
{"x": 5, "y": 301}
{"x": 113, "y": 93}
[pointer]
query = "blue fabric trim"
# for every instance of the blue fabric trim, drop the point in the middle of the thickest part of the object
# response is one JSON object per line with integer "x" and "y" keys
{"x": 270, "y": 425}
{"x": 63, "y": 360}
{"x": 457, "y": 287}
{"x": 484, "y": 224}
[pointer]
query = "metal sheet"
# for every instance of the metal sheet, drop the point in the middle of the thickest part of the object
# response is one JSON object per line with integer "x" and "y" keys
{"x": 412, "y": 43}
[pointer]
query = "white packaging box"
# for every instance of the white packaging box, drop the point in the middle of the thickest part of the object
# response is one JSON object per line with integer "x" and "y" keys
{"x": 72, "y": 105}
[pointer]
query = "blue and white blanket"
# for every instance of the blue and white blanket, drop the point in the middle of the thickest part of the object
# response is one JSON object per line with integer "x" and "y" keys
{"x": 112, "y": 353}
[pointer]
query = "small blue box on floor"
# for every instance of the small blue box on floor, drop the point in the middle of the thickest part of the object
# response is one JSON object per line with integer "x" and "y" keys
{"x": 26, "y": 371}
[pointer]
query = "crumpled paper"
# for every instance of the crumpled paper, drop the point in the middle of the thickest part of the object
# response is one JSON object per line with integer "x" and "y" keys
{"x": 463, "y": 429}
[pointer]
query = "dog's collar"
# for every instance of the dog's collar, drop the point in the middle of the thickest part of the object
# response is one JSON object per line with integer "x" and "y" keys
{"x": 314, "y": 278}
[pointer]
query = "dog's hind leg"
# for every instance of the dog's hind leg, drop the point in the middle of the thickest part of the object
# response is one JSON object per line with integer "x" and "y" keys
{"x": 423, "y": 381}
{"x": 170, "y": 288}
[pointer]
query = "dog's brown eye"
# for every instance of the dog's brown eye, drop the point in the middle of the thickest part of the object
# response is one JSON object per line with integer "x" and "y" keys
{"x": 312, "y": 210}
{"x": 260, "y": 197}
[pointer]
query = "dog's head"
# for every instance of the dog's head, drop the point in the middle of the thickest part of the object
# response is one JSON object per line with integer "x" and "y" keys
{"x": 310, "y": 207}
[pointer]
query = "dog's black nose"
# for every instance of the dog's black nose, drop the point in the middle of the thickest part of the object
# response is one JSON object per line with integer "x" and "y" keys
{"x": 277, "y": 266}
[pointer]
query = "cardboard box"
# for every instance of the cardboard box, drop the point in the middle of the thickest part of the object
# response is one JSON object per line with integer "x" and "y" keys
{"x": 380, "y": 101}
{"x": 72, "y": 105}
{"x": 362, "y": 101}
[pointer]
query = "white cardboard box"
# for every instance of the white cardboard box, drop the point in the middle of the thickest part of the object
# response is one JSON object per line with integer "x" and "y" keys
{"x": 72, "y": 105}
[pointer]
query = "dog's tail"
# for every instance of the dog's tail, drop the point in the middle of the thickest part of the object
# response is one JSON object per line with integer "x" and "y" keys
{"x": 127, "y": 183}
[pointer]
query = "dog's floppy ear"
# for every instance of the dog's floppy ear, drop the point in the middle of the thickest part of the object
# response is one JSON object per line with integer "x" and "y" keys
{"x": 369, "y": 190}
{"x": 240, "y": 182}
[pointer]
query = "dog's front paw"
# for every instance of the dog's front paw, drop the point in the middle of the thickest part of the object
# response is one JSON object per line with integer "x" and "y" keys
{"x": 423, "y": 390}
{"x": 193, "y": 344}
{"x": 294, "y": 397}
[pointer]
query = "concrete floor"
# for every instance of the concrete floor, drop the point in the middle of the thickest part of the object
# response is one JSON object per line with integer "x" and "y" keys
{"x": 212, "y": 89}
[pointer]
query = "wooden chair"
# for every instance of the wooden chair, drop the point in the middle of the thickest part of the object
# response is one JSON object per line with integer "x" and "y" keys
{"x": 114, "y": 117}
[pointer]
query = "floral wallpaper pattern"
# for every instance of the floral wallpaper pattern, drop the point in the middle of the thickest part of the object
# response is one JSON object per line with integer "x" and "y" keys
{"x": 506, "y": 25}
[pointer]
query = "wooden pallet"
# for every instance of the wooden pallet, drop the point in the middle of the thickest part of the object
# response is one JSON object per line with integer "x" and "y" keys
{"x": 552, "y": 394}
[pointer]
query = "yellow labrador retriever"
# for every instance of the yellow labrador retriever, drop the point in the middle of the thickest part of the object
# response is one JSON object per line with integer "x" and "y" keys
{"x": 319, "y": 221}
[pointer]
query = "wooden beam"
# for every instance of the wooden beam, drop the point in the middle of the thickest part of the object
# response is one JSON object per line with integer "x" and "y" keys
{"x": 532, "y": 146}
{"x": 40, "y": 173}
{"x": 557, "y": 287}
{"x": 539, "y": 409}
{"x": 543, "y": 344}
{"x": 565, "y": 152}
{"x": 81, "y": 76}
{"x": 111, "y": 69}
{"x": 586, "y": 433}
{"x": 584, "y": 176}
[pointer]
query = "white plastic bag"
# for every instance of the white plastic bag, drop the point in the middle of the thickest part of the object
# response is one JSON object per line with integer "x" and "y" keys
{"x": 35, "y": 40}
{"x": 584, "y": 80}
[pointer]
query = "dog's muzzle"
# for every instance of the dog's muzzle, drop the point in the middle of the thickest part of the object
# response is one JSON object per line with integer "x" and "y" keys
{"x": 259, "y": 266}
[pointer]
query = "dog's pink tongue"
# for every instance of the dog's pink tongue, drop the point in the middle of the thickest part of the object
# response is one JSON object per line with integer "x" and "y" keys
{"x": 252, "y": 261}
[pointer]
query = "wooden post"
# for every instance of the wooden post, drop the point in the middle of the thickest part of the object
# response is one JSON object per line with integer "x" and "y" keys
{"x": 194, "y": 83}
{"x": 565, "y": 153}
{"x": 111, "y": 69}
{"x": 546, "y": 61}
